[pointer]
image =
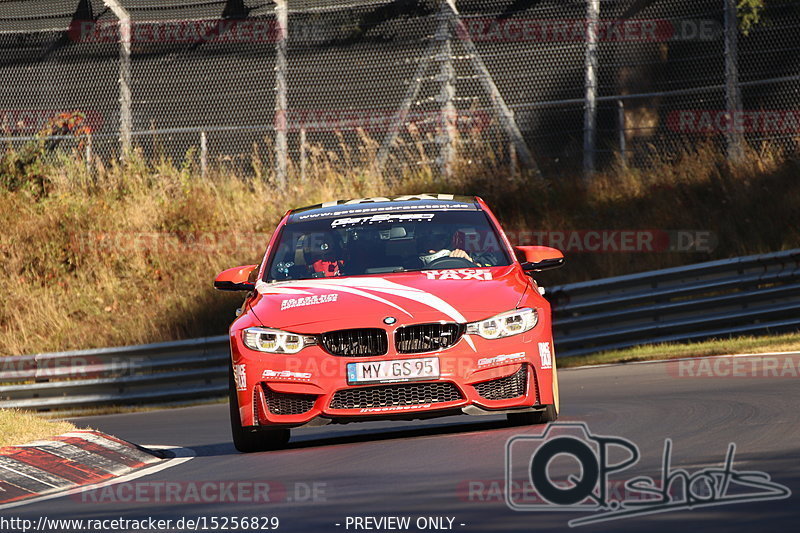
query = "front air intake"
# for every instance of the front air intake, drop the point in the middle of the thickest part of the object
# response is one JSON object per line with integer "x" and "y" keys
{"x": 420, "y": 338}
{"x": 512, "y": 386}
{"x": 396, "y": 395}
{"x": 364, "y": 342}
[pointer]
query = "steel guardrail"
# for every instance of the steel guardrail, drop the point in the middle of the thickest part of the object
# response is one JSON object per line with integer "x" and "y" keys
{"x": 750, "y": 295}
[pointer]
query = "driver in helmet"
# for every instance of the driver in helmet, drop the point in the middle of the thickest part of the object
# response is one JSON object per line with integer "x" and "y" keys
{"x": 433, "y": 246}
{"x": 323, "y": 255}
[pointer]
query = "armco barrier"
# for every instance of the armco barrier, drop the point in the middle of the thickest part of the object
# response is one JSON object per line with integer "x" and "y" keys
{"x": 747, "y": 295}
{"x": 150, "y": 373}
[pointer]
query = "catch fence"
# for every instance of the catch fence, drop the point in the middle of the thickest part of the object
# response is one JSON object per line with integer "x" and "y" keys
{"x": 284, "y": 88}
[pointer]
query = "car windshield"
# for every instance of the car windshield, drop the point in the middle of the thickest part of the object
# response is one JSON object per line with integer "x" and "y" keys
{"x": 383, "y": 243}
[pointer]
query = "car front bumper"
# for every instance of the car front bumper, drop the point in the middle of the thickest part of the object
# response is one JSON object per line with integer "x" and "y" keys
{"x": 311, "y": 388}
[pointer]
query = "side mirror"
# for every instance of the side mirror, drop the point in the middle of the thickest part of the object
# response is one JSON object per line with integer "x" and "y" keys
{"x": 538, "y": 258}
{"x": 237, "y": 279}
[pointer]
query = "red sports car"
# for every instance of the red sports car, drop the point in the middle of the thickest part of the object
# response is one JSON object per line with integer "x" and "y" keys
{"x": 403, "y": 308}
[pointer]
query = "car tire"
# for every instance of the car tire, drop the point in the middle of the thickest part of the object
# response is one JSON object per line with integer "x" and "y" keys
{"x": 533, "y": 418}
{"x": 252, "y": 439}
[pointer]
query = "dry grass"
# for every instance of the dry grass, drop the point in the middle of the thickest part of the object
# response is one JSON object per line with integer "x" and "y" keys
{"x": 127, "y": 254}
{"x": 19, "y": 428}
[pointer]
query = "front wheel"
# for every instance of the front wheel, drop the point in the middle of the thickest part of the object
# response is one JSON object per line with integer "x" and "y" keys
{"x": 532, "y": 418}
{"x": 252, "y": 439}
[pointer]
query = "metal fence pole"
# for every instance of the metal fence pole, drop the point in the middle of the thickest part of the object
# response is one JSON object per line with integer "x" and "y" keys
{"x": 512, "y": 160}
{"x": 125, "y": 115}
{"x": 88, "y": 154}
{"x": 623, "y": 143}
{"x": 447, "y": 137}
{"x": 281, "y": 143}
{"x": 590, "y": 104}
{"x": 733, "y": 100}
{"x": 303, "y": 154}
{"x": 203, "y": 154}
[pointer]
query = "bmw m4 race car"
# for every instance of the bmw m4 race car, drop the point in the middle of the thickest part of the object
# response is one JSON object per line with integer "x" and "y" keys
{"x": 389, "y": 308}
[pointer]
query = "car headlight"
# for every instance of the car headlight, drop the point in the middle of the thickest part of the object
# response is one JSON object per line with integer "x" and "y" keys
{"x": 505, "y": 324}
{"x": 275, "y": 341}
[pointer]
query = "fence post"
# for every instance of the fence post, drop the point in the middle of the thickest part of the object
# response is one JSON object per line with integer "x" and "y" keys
{"x": 733, "y": 101}
{"x": 303, "y": 154}
{"x": 203, "y": 154}
{"x": 512, "y": 161}
{"x": 623, "y": 144}
{"x": 88, "y": 154}
{"x": 125, "y": 116}
{"x": 281, "y": 144}
{"x": 590, "y": 99}
{"x": 447, "y": 137}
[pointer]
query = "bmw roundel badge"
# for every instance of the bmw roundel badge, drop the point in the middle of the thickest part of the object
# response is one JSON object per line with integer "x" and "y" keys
{"x": 389, "y": 320}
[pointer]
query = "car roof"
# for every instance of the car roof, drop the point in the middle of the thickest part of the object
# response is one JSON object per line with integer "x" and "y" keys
{"x": 438, "y": 202}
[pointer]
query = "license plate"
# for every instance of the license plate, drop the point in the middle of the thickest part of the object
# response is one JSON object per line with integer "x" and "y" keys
{"x": 398, "y": 370}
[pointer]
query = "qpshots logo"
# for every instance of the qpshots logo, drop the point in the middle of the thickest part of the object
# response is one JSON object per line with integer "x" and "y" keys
{"x": 571, "y": 469}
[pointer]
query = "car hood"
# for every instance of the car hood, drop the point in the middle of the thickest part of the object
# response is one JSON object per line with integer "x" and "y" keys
{"x": 324, "y": 304}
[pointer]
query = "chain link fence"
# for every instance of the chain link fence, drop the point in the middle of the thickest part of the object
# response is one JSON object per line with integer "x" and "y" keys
{"x": 283, "y": 89}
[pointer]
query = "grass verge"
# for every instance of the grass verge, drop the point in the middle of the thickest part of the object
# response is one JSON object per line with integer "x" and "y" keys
{"x": 17, "y": 427}
{"x": 789, "y": 342}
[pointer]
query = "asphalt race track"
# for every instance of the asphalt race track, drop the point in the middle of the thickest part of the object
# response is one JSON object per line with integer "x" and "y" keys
{"x": 424, "y": 469}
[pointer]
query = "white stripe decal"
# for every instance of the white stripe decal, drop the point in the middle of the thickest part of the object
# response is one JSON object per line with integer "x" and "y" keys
{"x": 428, "y": 299}
{"x": 373, "y": 284}
{"x": 358, "y": 286}
{"x": 267, "y": 288}
{"x": 359, "y": 292}
{"x": 469, "y": 341}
